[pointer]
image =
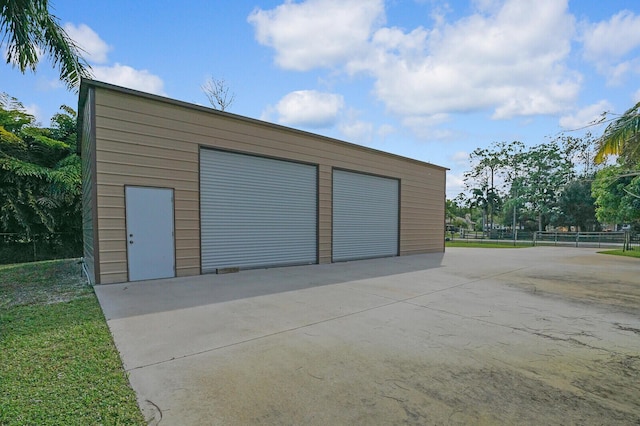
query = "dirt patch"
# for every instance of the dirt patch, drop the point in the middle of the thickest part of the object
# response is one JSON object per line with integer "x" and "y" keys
{"x": 615, "y": 380}
{"x": 42, "y": 283}
{"x": 607, "y": 281}
{"x": 354, "y": 385}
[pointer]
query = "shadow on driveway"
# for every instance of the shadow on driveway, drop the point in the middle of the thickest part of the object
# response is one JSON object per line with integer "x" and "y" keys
{"x": 479, "y": 336}
{"x": 147, "y": 297}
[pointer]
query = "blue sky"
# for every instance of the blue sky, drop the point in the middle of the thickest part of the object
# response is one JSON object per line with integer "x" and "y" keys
{"x": 427, "y": 79}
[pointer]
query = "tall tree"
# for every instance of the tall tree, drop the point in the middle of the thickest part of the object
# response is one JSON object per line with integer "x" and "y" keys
{"x": 622, "y": 137}
{"x": 29, "y": 30}
{"x": 576, "y": 206}
{"x": 492, "y": 170}
{"x": 547, "y": 171}
{"x": 581, "y": 152}
{"x": 488, "y": 201}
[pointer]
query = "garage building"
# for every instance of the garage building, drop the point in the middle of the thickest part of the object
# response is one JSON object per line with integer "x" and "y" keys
{"x": 176, "y": 189}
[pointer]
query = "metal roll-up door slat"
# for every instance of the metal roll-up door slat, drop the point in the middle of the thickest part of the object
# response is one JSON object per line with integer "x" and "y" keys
{"x": 365, "y": 216}
{"x": 256, "y": 211}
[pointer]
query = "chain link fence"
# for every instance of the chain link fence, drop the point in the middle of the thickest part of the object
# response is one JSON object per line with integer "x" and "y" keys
{"x": 19, "y": 248}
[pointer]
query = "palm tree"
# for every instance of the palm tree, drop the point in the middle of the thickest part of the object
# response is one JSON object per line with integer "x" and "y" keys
{"x": 30, "y": 31}
{"x": 621, "y": 137}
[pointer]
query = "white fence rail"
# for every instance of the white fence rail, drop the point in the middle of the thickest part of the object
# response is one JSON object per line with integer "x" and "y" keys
{"x": 584, "y": 239}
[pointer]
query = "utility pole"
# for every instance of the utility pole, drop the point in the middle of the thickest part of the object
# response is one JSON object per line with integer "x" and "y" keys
{"x": 515, "y": 232}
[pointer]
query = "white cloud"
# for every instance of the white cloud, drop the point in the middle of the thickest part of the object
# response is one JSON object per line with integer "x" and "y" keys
{"x": 585, "y": 116}
{"x": 316, "y": 33}
{"x": 612, "y": 39}
{"x": 424, "y": 127}
{"x": 422, "y": 121}
{"x": 608, "y": 43}
{"x": 309, "y": 108}
{"x": 455, "y": 184}
{"x": 511, "y": 61}
{"x": 385, "y": 130}
{"x": 354, "y": 129}
{"x": 460, "y": 158}
{"x": 357, "y": 131}
{"x": 95, "y": 49}
{"x": 126, "y": 76}
{"x": 487, "y": 6}
{"x": 35, "y": 110}
{"x": 508, "y": 57}
{"x": 268, "y": 114}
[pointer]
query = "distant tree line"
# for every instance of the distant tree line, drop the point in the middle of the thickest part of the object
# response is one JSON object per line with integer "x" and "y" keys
{"x": 560, "y": 183}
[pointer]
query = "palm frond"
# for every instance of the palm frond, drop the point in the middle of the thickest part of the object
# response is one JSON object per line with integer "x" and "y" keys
{"x": 18, "y": 24}
{"x": 64, "y": 52}
{"x": 620, "y": 136}
{"x": 30, "y": 29}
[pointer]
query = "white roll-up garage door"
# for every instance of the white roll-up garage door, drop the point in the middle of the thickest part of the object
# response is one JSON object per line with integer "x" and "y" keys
{"x": 365, "y": 216}
{"x": 256, "y": 211}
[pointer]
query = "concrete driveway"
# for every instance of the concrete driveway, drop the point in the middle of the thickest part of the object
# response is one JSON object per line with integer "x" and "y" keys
{"x": 545, "y": 335}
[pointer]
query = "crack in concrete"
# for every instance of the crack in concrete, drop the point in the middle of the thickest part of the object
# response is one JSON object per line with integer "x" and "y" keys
{"x": 625, "y": 328}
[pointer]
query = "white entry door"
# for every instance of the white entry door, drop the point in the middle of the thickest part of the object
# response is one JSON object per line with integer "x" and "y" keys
{"x": 150, "y": 243}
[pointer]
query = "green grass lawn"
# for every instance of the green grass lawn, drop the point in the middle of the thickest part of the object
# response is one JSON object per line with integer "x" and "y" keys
{"x": 59, "y": 365}
{"x": 492, "y": 244}
{"x": 629, "y": 253}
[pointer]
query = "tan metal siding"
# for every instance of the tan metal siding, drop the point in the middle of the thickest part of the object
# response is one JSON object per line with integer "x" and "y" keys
{"x": 148, "y": 141}
{"x": 88, "y": 187}
{"x": 324, "y": 213}
{"x": 136, "y": 154}
{"x": 422, "y": 214}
